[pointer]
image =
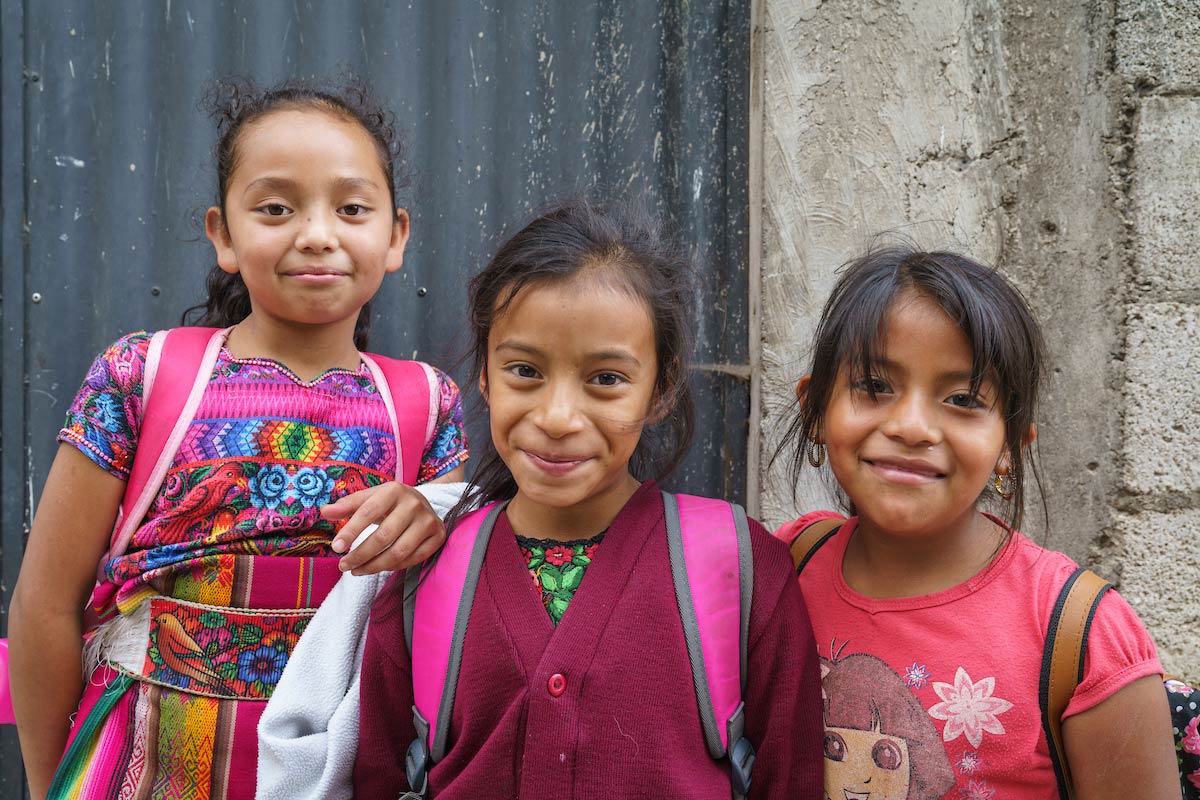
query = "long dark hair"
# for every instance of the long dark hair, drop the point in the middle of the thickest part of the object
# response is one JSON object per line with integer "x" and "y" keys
{"x": 237, "y": 102}
{"x": 1006, "y": 345}
{"x": 631, "y": 245}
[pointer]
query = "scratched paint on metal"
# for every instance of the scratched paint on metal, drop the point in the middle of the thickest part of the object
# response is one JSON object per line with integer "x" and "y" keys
{"x": 505, "y": 106}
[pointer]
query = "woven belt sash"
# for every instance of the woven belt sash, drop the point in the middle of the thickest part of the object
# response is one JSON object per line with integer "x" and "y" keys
{"x": 214, "y": 651}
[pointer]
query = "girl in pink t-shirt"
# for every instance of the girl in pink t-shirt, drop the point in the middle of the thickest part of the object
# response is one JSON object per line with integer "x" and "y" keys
{"x": 930, "y": 616}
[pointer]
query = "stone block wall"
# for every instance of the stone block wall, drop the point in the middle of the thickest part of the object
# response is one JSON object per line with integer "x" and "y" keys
{"x": 1060, "y": 141}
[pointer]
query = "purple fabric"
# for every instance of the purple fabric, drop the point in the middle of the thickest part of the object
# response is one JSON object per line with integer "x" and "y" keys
{"x": 627, "y": 723}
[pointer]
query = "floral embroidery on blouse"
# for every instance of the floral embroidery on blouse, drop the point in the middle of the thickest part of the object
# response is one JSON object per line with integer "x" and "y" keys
{"x": 263, "y": 454}
{"x": 557, "y": 568}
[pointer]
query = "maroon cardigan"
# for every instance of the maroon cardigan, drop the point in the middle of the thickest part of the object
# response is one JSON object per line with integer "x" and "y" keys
{"x": 627, "y": 724}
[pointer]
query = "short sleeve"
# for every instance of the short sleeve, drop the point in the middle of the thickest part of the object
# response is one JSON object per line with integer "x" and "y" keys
{"x": 105, "y": 416}
{"x": 789, "y": 531}
{"x": 448, "y": 446}
{"x": 1119, "y": 651}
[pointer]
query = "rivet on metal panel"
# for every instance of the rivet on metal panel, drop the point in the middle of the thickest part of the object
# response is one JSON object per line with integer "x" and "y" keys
{"x": 154, "y": 290}
{"x": 36, "y": 297}
{"x": 422, "y": 291}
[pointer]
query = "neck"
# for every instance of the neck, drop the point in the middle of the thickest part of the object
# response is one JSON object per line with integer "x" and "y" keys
{"x": 582, "y": 520}
{"x": 307, "y": 350}
{"x": 882, "y": 565}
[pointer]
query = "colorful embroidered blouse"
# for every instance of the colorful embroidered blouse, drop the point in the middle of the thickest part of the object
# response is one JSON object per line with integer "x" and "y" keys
{"x": 265, "y": 451}
{"x": 557, "y": 568}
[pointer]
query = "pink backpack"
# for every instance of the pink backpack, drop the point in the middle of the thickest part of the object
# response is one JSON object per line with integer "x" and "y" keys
{"x": 179, "y": 363}
{"x": 709, "y": 545}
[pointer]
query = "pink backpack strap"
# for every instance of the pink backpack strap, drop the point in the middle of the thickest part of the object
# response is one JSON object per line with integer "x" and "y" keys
{"x": 437, "y": 606}
{"x": 712, "y": 569}
{"x": 179, "y": 363}
{"x": 411, "y": 394}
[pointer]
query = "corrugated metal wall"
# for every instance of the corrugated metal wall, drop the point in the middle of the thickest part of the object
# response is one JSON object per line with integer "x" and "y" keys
{"x": 106, "y": 172}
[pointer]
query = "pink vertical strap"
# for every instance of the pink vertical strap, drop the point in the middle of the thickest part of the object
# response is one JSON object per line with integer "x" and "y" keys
{"x": 409, "y": 392}
{"x": 710, "y": 550}
{"x": 181, "y": 374}
{"x": 438, "y": 599}
{"x": 6, "y": 709}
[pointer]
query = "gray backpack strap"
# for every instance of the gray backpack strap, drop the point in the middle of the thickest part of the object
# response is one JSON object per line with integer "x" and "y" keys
{"x": 726, "y": 535}
{"x": 449, "y": 581}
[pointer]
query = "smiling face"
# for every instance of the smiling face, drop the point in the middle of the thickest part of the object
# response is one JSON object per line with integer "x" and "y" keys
{"x": 915, "y": 458}
{"x": 308, "y": 220}
{"x": 569, "y": 381}
{"x": 865, "y": 765}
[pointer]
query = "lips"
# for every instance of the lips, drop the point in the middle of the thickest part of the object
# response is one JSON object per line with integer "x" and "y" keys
{"x": 908, "y": 471}
{"x": 554, "y": 464}
{"x": 315, "y": 274}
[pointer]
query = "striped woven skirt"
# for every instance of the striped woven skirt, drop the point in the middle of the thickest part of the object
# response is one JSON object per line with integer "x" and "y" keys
{"x": 175, "y": 717}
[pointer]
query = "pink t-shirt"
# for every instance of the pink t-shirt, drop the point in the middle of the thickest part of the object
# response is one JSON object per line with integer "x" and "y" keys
{"x": 937, "y": 696}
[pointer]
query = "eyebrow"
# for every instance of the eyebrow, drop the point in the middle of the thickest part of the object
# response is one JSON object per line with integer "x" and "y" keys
{"x": 599, "y": 355}
{"x": 276, "y": 182}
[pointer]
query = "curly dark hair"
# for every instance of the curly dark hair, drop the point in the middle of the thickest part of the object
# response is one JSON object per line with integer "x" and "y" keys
{"x": 234, "y": 103}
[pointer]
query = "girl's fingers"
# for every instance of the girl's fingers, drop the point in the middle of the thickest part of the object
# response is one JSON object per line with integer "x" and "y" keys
{"x": 360, "y": 509}
{"x": 417, "y": 542}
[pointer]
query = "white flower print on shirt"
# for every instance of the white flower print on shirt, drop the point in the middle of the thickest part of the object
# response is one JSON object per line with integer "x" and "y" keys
{"x": 968, "y": 708}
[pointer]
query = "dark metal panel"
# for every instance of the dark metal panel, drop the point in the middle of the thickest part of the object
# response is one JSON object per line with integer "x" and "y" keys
{"x": 505, "y": 106}
{"x": 14, "y": 496}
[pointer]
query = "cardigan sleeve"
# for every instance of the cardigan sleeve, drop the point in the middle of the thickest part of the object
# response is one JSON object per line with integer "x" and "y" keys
{"x": 386, "y": 699}
{"x": 783, "y": 692}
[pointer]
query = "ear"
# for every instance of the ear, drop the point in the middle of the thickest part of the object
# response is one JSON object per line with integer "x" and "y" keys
{"x": 218, "y": 234}
{"x": 1004, "y": 464}
{"x": 483, "y": 385}
{"x": 395, "y": 253}
{"x": 801, "y": 393}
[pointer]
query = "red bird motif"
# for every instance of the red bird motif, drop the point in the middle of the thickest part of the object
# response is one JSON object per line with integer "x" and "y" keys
{"x": 202, "y": 503}
{"x": 182, "y": 654}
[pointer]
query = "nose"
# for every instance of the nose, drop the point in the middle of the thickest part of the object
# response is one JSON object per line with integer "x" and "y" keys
{"x": 317, "y": 233}
{"x": 912, "y": 421}
{"x": 559, "y": 413}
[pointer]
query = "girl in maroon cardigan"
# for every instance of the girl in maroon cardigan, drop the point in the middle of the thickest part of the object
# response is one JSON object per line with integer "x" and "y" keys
{"x": 571, "y": 687}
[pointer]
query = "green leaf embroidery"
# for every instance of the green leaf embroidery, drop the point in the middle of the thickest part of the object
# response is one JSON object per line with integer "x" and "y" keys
{"x": 550, "y": 578}
{"x": 571, "y": 576}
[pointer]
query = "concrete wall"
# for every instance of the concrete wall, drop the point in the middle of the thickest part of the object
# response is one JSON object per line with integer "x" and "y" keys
{"x": 1058, "y": 140}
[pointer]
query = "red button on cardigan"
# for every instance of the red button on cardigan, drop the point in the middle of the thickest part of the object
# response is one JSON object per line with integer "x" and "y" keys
{"x": 556, "y": 685}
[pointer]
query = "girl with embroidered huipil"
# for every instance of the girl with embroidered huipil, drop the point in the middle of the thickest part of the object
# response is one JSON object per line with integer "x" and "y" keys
{"x": 930, "y": 614}
{"x": 575, "y": 678}
{"x": 205, "y": 600}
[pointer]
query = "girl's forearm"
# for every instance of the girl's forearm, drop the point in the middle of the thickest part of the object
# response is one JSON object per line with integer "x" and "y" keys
{"x": 47, "y": 682}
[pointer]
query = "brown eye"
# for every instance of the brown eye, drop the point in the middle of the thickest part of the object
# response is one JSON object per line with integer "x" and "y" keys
{"x": 886, "y": 755}
{"x": 835, "y": 746}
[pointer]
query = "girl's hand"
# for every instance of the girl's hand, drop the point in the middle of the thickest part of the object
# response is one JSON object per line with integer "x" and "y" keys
{"x": 1124, "y": 747}
{"x": 409, "y": 530}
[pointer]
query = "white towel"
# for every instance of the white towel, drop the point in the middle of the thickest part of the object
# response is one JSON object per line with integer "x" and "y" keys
{"x": 308, "y": 734}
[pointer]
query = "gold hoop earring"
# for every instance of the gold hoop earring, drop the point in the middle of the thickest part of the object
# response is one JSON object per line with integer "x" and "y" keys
{"x": 1006, "y": 492}
{"x": 816, "y": 453}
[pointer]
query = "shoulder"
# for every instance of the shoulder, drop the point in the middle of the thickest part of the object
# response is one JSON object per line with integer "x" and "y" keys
{"x": 124, "y": 361}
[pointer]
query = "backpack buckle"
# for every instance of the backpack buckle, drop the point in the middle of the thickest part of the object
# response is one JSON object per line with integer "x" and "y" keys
{"x": 741, "y": 761}
{"x": 416, "y": 769}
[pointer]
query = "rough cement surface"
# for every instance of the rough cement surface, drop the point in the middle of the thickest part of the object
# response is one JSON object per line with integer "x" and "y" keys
{"x": 1166, "y": 197}
{"x": 1158, "y": 42}
{"x": 877, "y": 117}
{"x": 965, "y": 128}
{"x": 1061, "y": 142}
{"x": 1159, "y": 581}
{"x": 1162, "y": 418}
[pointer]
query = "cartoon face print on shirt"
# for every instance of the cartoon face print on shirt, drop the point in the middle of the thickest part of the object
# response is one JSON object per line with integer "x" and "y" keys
{"x": 879, "y": 742}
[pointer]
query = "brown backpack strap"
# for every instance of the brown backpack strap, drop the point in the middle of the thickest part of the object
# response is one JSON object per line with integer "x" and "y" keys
{"x": 1062, "y": 661}
{"x": 811, "y": 538}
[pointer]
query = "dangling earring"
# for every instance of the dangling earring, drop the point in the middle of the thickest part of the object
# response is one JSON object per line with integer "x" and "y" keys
{"x": 1006, "y": 485}
{"x": 816, "y": 453}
